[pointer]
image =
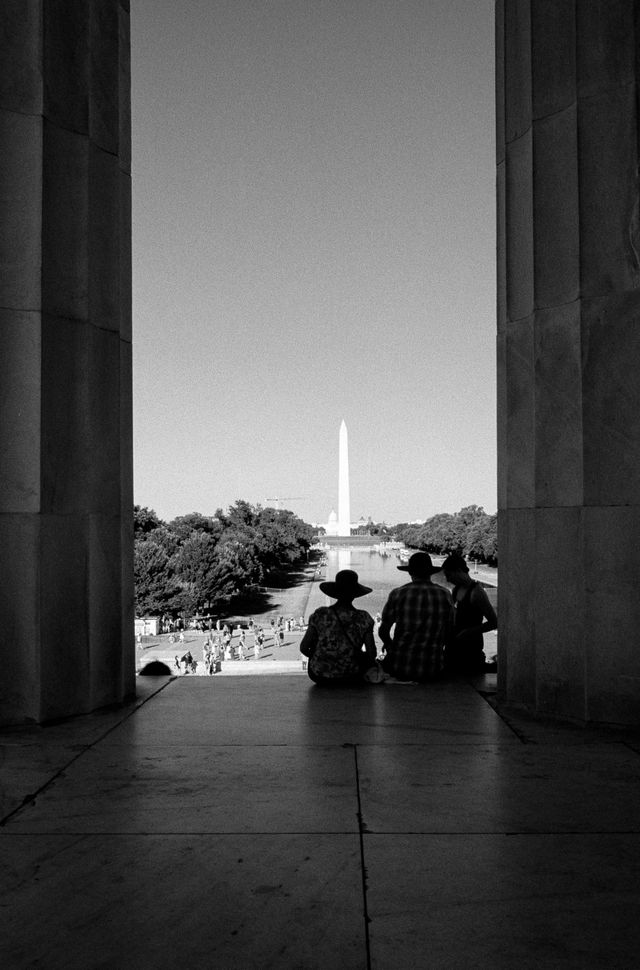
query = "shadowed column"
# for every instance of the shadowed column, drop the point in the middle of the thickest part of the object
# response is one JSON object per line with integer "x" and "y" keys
{"x": 569, "y": 353}
{"x": 66, "y": 589}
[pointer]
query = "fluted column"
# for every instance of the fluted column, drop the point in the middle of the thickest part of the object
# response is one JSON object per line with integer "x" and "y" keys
{"x": 66, "y": 590}
{"x": 569, "y": 356}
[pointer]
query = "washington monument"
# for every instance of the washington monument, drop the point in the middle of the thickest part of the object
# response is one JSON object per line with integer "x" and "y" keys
{"x": 344, "y": 504}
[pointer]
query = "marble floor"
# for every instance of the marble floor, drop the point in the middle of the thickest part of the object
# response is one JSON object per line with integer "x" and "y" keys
{"x": 265, "y": 823}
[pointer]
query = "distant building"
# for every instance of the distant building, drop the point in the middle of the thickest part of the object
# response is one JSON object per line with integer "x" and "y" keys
{"x": 331, "y": 528}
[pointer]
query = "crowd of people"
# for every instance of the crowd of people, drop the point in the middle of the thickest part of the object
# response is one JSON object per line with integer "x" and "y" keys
{"x": 224, "y": 642}
{"x": 426, "y": 632}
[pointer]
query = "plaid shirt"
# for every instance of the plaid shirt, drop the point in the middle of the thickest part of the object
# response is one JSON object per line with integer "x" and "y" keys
{"x": 423, "y": 616}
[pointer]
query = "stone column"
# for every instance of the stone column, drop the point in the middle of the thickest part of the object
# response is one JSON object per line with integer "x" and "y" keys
{"x": 66, "y": 589}
{"x": 569, "y": 357}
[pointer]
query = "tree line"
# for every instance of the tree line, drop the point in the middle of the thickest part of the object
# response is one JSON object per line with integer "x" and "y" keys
{"x": 197, "y": 563}
{"x": 471, "y": 532}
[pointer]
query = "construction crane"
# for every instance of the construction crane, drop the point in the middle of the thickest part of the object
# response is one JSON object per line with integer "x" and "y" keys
{"x": 287, "y": 498}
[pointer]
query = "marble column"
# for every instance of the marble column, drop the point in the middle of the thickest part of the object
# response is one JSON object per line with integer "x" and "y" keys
{"x": 66, "y": 589}
{"x": 569, "y": 357}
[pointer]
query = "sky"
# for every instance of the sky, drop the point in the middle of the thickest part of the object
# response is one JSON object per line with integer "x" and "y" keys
{"x": 313, "y": 241}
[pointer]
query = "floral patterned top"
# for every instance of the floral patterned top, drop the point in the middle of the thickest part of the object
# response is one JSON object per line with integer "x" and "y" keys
{"x": 333, "y": 640}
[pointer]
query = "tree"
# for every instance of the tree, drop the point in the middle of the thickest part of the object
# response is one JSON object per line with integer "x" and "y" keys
{"x": 482, "y": 539}
{"x": 198, "y": 561}
{"x": 166, "y": 538}
{"x": 235, "y": 568}
{"x": 193, "y": 565}
{"x": 144, "y": 520}
{"x": 210, "y": 572}
{"x": 281, "y": 537}
{"x": 184, "y": 525}
{"x": 470, "y": 532}
{"x": 276, "y": 537}
{"x": 439, "y": 534}
{"x": 155, "y": 585}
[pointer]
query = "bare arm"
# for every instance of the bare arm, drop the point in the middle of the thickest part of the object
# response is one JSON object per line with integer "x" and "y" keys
{"x": 384, "y": 632}
{"x": 480, "y": 598}
{"x": 370, "y": 645}
{"x": 309, "y": 641}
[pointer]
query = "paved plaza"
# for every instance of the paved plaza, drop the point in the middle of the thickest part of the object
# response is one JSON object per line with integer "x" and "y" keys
{"x": 249, "y": 823}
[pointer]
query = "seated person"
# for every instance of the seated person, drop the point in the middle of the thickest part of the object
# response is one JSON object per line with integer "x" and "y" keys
{"x": 416, "y": 624}
{"x": 339, "y": 638}
{"x": 474, "y": 615}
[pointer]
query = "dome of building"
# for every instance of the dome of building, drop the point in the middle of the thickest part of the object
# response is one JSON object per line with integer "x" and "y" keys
{"x": 332, "y": 525}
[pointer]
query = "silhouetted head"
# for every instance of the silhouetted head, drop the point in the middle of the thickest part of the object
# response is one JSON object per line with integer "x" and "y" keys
{"x": 455, "y": 568}
{"x": 419, "y": 566}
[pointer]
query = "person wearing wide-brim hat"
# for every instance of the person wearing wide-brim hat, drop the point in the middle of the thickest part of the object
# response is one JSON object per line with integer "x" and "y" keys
{"x": 419, "y": 564}
{"x": 339, "y": 638}
{"x": 474, "y": 616}
{"x": 420, "y": 613}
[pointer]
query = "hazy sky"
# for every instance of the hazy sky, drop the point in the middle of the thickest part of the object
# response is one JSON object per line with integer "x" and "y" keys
{"x": 314, "y": 239}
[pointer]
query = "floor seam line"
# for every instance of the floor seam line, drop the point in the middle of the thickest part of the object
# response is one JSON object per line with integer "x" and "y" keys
{"x": 363, "y": 867}
{"x": 496, "y": 710}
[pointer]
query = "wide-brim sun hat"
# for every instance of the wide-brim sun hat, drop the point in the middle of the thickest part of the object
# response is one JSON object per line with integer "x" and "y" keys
{"x": 420, "y": 565}
{"x": 346, "y": 583}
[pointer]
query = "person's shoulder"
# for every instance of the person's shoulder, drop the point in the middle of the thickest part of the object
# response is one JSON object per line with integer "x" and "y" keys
{"x": 441, "y": 592}
{"x": 365, "y": 615}
{"x": 478, "y": 592}
{"x": 319, "y": 613}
